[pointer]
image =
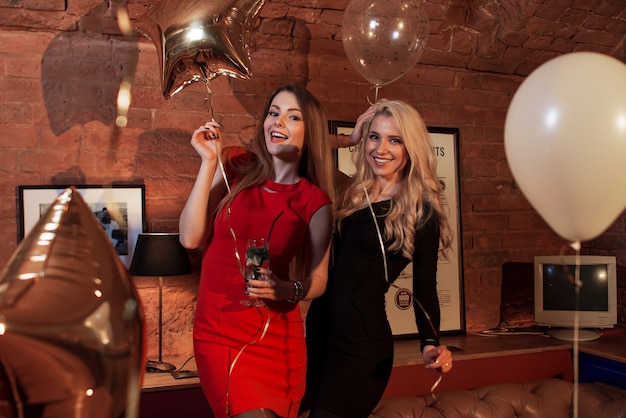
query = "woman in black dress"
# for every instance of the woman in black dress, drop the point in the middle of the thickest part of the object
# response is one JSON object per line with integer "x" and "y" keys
{"x": 349, "y": 339}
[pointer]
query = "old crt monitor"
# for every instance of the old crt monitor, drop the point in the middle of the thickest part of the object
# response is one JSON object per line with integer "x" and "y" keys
{"x": 557, "y": 303}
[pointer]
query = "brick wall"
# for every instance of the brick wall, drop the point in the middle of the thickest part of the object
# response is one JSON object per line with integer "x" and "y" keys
{"x": 61, "y": 63}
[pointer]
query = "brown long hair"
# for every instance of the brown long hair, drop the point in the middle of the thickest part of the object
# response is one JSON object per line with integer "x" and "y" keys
{"x": 315, "y": 162}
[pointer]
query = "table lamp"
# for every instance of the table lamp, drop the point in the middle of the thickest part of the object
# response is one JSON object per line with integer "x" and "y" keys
{"x": 159, "y": 254}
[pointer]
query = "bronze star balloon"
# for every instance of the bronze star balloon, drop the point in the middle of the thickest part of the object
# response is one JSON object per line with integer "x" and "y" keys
{"x": 197, "y": 40}
{"x": 71, "y": 323}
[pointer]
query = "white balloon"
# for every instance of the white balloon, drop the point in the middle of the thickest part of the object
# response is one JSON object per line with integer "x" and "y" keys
{"x": 565, "y": 141}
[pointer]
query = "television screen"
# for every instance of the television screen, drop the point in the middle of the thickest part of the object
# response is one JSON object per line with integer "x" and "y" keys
{"x": 559, "y": 290}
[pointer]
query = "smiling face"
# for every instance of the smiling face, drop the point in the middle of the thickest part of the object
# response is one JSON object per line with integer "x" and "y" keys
{"x": 284, "y": 126}
{"x": 385, "y": 151}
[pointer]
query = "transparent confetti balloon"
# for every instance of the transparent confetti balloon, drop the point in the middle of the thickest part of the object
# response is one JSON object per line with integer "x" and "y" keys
{"x": 384, "y": 39}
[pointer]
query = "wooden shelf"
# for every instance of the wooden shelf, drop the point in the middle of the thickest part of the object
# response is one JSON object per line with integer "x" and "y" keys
{"x": 157, "y": 382}
{"x": 612, "y": 347}
{"x": 473, "y": 346}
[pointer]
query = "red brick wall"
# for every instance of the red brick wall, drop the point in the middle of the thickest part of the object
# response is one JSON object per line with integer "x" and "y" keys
{"x": 61, "y": 64}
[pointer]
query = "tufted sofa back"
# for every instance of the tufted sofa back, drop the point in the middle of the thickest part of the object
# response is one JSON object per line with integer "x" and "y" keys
{"x": 550, "y": 398}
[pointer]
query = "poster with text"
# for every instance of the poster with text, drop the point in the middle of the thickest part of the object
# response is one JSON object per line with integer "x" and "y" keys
{"x": 449, "y": 270}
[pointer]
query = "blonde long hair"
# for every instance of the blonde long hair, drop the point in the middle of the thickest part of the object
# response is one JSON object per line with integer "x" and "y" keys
{"x": 420, "y": 188}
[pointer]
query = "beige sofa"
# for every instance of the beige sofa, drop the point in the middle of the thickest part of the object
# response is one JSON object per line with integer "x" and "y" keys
{"x": 550, "y": 398}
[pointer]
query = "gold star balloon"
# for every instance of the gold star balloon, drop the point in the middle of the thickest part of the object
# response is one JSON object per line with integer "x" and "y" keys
{"x": 197, "y": 40}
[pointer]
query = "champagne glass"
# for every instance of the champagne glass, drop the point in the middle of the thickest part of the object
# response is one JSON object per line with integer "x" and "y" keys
{"x": 257, "y": 255}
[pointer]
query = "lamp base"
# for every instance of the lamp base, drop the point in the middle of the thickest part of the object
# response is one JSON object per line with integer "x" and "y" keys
{"x": 154, "y": 366}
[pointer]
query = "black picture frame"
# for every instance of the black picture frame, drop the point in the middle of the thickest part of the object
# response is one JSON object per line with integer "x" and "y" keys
{"x": 345, "y": 127}
{"x": 120, "y": 209}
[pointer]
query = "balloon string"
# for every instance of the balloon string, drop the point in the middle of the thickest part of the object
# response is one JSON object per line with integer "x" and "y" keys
{"x": 263, "y": 331}
{"x": 380, "y": 236}
{"x": 377, "y": 88}
{"x": 575, "y": 280}
{"x": 434, "y": 386}
{"x": 209, "y": 97}
{"x": 576, "y": 332}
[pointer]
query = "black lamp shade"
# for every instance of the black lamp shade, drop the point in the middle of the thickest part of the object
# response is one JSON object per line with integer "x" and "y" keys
{"x": 159, "y": 254}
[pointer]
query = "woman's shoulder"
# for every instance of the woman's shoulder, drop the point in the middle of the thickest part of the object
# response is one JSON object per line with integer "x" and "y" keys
{"x": 429, "y": 223}
{"x": 315, "y": 195}
{"x": 312, "y": 187}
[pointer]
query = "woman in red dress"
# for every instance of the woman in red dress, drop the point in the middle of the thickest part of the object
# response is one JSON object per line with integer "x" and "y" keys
{"x": 252, "y": 359}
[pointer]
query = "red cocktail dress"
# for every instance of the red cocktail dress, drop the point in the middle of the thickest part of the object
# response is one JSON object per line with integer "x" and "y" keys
{"x": 249, "y": 357}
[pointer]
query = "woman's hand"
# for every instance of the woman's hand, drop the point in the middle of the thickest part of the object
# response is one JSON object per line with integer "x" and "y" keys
{"x": 357, "y": 132}
{"x": 207, "y": 140}
{"x": 438, "y": 359}
{"x": 269, "y": 286}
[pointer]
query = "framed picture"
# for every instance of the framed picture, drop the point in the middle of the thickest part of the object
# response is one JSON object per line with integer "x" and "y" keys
{"x": 120, "y": 210}
{"x": 342, "y": 157}
{"x": 449, "y": 270}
